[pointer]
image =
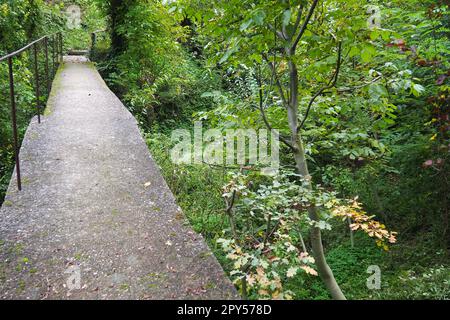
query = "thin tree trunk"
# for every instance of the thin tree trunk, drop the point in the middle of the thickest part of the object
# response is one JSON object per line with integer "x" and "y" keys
{"x": 300, "y": 159}
{"x": 117, "y": 11}
{"x": 305, "y": 250}
{"x": 380, "y": 206}
{"x": 352, "y": 240}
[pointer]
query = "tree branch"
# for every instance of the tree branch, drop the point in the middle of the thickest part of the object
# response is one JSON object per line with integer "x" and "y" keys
{"x": 277, "y": 80}
{"x": 266, "y": 121}
{"x": 298, "y": 19}
{"x": 340, "y": 90}
{"x": 305, "y": 25}
{"x": 277, "y": 32}
{"x": 330, "y": 85}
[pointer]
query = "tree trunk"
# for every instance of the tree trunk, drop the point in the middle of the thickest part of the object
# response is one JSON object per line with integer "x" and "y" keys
{"x": 302, "y": 167}
{"x": 117, "y": 11}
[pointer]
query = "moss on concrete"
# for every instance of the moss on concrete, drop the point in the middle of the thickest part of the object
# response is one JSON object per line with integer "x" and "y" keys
{"x": 56, "y": 85}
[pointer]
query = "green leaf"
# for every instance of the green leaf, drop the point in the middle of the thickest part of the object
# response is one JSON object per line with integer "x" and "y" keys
{"x": 417, "y": 89}
{"x": 245, "y": 25}
{"x": 386, "y": 35}
{"x": 377, "y": 91}
{"x": 367, "y": 53}
{"x": 374, "y": 35}
{"x": 258, "y": 17}
{"x": 257, "y": 57}
{"x": 227, "y": 54}
{"x": 354, "y": 51}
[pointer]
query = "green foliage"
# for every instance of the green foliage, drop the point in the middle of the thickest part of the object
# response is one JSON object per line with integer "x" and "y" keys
{"x": 23, "y": 21}
{"x": 153, "y": 74}
{"x": 92, "y": 19}
{"x": 381, "y": 133}
{"x": 197, "y": 188}
{"x": 350, "y": 267}
{"x": 431, "y": 284}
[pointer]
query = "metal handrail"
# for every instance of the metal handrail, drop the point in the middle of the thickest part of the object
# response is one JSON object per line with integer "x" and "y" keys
{"x": 56, "y": 40}
{"x": 94, "y": 40}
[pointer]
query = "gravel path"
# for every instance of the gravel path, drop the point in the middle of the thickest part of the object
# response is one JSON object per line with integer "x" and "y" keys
{"x": 95, "y": 218}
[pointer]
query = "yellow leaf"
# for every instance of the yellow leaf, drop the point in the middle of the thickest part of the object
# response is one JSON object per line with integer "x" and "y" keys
{"x": 263, "y": 292}
{"x": 309, "y": 270}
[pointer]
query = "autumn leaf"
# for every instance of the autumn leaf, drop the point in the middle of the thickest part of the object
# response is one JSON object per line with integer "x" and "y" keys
{"x": 309, "y": 270}
{"x": 292, "y": 271}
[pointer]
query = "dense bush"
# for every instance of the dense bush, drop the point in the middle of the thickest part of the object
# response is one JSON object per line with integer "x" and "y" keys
{"x": 92, "y": 20}
{"x": 149, "y": 69}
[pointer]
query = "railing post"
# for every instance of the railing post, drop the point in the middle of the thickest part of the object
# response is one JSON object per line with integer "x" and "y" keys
{"x": 46, "y": 66}
{"x": 93, "y": 42}
{"x": 61, "y": 43}
{"x": 53, "y": 57}
{"x": 14, "y": 122}
{"x": 36, "y": 74}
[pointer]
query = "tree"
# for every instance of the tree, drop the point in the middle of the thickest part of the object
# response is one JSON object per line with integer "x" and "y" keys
{"x": 117, "y": 12}
{"x": 271, "y": 32}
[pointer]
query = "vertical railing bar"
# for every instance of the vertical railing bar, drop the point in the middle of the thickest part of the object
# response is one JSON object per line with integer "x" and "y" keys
{"x": 62, "y": 46}
{"x": 46, "y": 66}
{"x": 53, "y": 57}
{"x": 93, "y": 41}
{"x": 36, "y": 72}
{"x": 57, "y": 47}
{"x": 14, "y": 121}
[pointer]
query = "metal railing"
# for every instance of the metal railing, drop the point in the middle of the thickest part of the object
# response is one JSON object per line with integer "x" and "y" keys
{"x": 55, "y": 41}
{"x": 94, "y": 38}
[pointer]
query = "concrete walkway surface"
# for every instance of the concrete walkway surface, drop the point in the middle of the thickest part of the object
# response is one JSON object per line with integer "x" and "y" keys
{"x": 95, "y": 218}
